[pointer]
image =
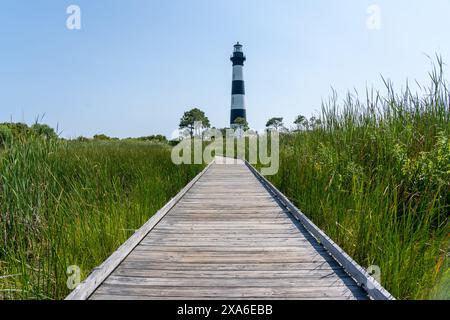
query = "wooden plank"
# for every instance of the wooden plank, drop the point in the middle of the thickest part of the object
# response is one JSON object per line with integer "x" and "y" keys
{"x": 227, "y": 256}
{"x": 214, "y": 219}
{"x": 143, "y": 297}
{"x": 281, "y": 224}
{"x": 256, "y": 234}
{"x": 221, "y": 243}
{"x": 233, "y": 292}
{"x": 269, "y": 224}
{"x": 223, "y": 235}
{"x": 262, "y": 258}
{"x": 245, "y": 246}
{"x": 304, "y": 250}
{"x": 214, "y": 266}
{"x": 236, "y": 274}
{"x": 253, "y": 240}
{"x": 217, "y": 282}
{"x": 253, "y": 236}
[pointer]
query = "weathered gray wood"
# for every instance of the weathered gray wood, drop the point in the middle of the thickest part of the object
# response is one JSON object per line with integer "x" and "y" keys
{"x": 118, "y": 297}
{"x": 214, "y": 266}
{"x": 232, "y": 292}
{"x": 310, "y": 282}
{"x": 236, "y": 274}
{"x": 226, "y": 237}
{"x": 190, "y": 242}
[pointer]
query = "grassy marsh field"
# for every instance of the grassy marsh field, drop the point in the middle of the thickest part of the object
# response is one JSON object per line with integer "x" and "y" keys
{"x": 68, "y": 203}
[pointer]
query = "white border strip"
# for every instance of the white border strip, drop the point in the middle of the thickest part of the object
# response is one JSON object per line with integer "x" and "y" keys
{"x": 368, "y": 283}
{"x": 85, "y": 289}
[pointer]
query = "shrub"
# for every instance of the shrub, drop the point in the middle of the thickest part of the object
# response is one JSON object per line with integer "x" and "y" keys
{"x": 102, "y": 137}
{"x": 44, "y": 130}
{"x": 82, "y": 139}
{"x": 19, "y": 130}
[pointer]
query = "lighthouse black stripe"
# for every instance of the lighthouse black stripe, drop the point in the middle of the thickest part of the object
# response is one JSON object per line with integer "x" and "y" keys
{"x": 238, "y": 59}
{"x": 238, "y": 87}
{"x": 236, "y": 113}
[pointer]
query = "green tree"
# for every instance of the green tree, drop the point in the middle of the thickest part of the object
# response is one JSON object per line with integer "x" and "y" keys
{"x": 159, "y": 138}
{"x": 314, "y": 122}
{"x": 191, "y": 118}
{"x": 241, "y": 123}
{"x": 275, "y": 123}
{"x": 300, "y": 122}
{"x": 18, "y": 130}
{"x": 44, "y": 130}
{"x": 101, "y": 137}
{"x": 82, "y": 139}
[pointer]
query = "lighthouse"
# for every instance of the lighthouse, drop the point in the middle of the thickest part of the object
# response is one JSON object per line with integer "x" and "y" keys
{"x": 238, "y": 87}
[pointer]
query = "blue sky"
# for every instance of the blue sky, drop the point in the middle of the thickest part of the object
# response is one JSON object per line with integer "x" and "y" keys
{"x": 136, "y": 65}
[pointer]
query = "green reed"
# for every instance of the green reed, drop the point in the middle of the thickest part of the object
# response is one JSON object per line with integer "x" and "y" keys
{"x": 74, "y": 203}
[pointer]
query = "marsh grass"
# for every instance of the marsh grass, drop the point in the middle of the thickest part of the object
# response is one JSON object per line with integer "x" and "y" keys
{"x": 73, "y": 203}
{"x": 375, "y": 176}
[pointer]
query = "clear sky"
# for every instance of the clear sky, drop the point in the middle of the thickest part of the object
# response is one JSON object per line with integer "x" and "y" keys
{"x": 136, "y": 65}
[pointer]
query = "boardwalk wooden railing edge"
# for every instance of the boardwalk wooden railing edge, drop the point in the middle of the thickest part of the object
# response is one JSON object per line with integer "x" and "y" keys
{"x": 85, "y": 289}
{"x": 373, "y": 288}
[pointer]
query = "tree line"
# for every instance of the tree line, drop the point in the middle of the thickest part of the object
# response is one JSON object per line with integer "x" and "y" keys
{"x": 192, "y": 123}
{"x": 11, "y": 131}
{"x": 195, "y": 121}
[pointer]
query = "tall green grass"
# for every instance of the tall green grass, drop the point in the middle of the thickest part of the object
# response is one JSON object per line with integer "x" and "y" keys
{"x": 73, "y": 203}
{"x": 375, "y": 176}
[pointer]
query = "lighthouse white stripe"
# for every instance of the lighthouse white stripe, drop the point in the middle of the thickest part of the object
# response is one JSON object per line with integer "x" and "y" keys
{"x": 237, "y": 101}
{"x": 238, "y": 73}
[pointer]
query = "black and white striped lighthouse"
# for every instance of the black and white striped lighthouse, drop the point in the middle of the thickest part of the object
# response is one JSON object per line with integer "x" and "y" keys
{"x": 238, "y": 87}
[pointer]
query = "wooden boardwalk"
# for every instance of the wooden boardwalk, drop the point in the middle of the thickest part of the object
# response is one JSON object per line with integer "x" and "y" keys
{"x": 225, "y": 236}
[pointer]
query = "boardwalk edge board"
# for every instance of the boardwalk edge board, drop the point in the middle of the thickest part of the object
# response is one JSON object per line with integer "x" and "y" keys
{"x": 361, "y": 276}
{"x": 86, "y": 288}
